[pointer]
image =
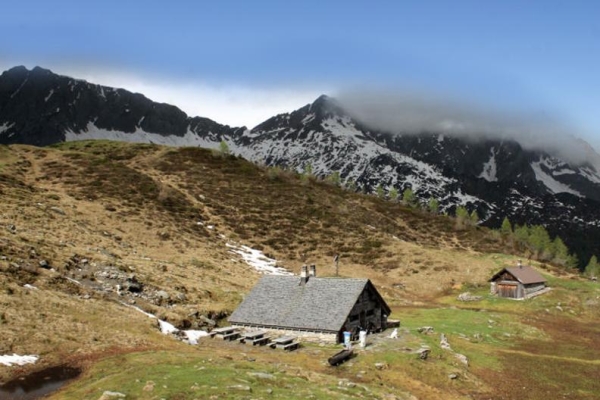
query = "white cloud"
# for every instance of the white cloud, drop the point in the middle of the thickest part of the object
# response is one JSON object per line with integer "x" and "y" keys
{"x": 406, "y": 111}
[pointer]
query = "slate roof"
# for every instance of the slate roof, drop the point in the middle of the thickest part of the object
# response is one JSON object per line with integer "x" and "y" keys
{"x": 526, "y": 275}
{"x": 322, "y": 304}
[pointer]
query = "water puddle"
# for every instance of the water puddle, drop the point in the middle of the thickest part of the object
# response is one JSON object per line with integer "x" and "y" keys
{"x": 38, "y": 384}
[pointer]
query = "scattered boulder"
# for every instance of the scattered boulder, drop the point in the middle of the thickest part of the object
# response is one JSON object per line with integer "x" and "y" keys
{"x": 466, "y": 296}
{"x": 462, "y": 358}
{"x": 208, "y": 321}
{"x": 244, "y": 388}
{"x": 423, "y": 353}
{"x": 381, "y": 366}
{"x": 162, "y": 295}
{"x": 425, "y": 329}
{"x": 452, "y": 376}
{"x": 108, "y": 395}
{"x": 57, "y": 210}
{"x": 444, "y": 343}
{"x": 44, "y": 264}
{"x": 149, "y": 386}
{"x": 262, "y": 375}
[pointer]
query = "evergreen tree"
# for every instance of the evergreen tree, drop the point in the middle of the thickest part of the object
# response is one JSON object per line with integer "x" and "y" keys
{"x": 433, "y": 206}
{"x": 560, "y": 252}
{"x": 462, "y": 216}
{"x": 334, "y": 178}
{"x": 506, "y": 228}
{"x": 308, "y": 169}
{"x": 380, "y": 192}
{"x": 539, "y": 241}
{"x": 393, "y": 194}
{"x": 474, "y": 217}
{"x": 224, "y": 148}
{"x": 522, "y": 234}
{"x": 593, "y": 268}
{"x": 409, "y": 198}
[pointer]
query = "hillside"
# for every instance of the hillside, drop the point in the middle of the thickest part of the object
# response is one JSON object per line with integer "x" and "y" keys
{"x": 90, "y": 229}
{"x": 557, "y": 187}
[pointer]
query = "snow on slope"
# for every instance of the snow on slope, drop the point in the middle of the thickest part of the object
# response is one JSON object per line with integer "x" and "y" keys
{"x": 489, "y": 168}
{"x": 140, "y": 136}
{"x": 548, "y": 180}
{"x": 257, "y": 260}
{"x": 341, "y": 146}
{"x": 16, "y": 359}
{"x": 5, "y": 126}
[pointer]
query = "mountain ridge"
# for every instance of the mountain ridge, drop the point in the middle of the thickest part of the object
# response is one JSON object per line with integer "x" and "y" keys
{"x": 497, "y": 178}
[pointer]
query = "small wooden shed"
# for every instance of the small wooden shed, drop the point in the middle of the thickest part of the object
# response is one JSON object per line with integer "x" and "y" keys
{"x": 517, "y": 282}
{"x": 314, "y": 308}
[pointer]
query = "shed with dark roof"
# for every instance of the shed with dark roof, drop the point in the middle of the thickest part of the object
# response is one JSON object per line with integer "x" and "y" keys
{"x": 517, "y": 282}
{"x": 308, "y": 306}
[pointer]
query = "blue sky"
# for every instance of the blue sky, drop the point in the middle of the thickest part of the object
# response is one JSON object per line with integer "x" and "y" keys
{"x": 238, "y": 61}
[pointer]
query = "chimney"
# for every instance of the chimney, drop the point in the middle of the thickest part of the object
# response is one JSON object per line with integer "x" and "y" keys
{"x": 304, "y": 275}
{"x": 312, "y": 271}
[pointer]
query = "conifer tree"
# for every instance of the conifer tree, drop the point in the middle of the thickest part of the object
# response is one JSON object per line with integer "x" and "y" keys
{"x": 474, "y": 217}
{"x": 408, "y": 197}
{"x": 433, "y": 206}
{"x": 560, "y": 252}
{"x": 506, "y": 228}
{"x": 380, "y": 192}
{"x": 393, "y": 194}
{"x": 593, "y": 268}
{"x": 334, "y": 178}
{"x": 462, "y": 216}
{"x": 224, "y": 148}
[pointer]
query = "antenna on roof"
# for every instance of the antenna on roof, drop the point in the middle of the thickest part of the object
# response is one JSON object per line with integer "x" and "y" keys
{"x": 520, "y": 264}
{"x": 336, "y": 260}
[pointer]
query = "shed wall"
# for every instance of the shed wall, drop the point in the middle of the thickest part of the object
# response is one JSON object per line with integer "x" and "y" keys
{"x": 366, "y": 314}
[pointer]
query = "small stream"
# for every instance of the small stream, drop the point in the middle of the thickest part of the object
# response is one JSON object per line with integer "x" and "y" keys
{"x": 38, "y": 384}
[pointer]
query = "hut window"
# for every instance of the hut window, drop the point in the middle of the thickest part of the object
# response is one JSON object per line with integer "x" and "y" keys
{"x": 353, "y": 318}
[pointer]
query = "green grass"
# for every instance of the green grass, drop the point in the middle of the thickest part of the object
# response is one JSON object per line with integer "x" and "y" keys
{"x": 191, "y": 375}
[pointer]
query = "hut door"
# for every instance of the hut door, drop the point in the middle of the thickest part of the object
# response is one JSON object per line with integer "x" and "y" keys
{"x": 363, "y": 319}
{"x": 507, "y": 291}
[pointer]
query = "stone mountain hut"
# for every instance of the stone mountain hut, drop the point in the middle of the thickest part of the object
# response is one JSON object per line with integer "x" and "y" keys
{"x": 517, "y": 282}
{"x": 311, "y": 307}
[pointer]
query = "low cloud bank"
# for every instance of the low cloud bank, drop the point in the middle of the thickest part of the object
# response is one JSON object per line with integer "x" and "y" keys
{"x": 410, "y": 112}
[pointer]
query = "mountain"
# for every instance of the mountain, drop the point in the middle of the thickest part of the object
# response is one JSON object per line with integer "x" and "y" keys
{"x": 498, "y": 178}
{"x": 40, "y": 108}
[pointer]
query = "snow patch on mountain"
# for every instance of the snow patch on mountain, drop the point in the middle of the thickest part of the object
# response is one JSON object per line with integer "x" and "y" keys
{"x": 49, "y": 95}
{"x": 590, "y": 174}
{"x": 5, "y": 127}
{"x": 489, "y": 168}
{"x": 92, "y": 132}
{"x": 564, "y": 171}
{"x": 552, "y": 184}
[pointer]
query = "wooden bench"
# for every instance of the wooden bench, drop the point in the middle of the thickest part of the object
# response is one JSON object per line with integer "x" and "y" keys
{"x": 222, "y": 331}
{"x": 261, "y": 341}
{"x": 291, "y": 346}
{"x": 231, "y": 336}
